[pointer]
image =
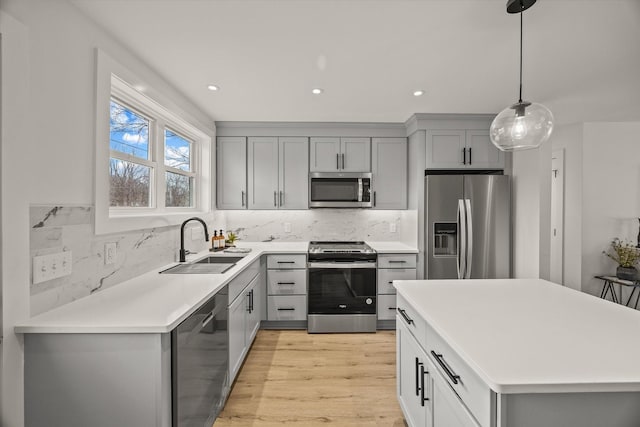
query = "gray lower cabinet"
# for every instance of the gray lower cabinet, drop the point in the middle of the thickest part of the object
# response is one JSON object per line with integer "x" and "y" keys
{"x": 245, "y": 313}
{"x": 287, "y": 288}
{"x": 100, "y": 380}
{"x": 392, "y": 267}
{"x": 231, "y": 172}
{"x": 389, "y": 170}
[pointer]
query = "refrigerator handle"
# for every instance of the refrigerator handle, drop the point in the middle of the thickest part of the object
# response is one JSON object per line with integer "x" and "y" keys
{"x": 469, "y": 236}
{"x": 462, "y": 240}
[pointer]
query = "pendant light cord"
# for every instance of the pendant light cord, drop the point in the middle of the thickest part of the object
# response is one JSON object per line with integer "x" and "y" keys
{"x": 521, "y": 12}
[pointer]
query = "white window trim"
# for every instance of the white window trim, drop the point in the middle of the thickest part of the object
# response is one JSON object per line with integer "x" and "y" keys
{"x": 111, "y": 220}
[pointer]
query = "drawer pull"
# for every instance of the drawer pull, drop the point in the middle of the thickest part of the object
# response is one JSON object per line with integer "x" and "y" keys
{"x": 392, "y": 308}
{"x": 440, "y": 359}
{"x": 405, "y": 317}
{"x": 286, "y": 283}
{"x": 390, "y": 282}
{"x": 422, "y": 372}
{"x": 286, "y": 262}
{"x": 287, "y": 309}
{"x": 419, "y": 368}
{"x": 393, "y": 261}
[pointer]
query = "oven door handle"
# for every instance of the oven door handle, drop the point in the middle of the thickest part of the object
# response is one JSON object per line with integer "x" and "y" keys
{"x": 342, "y": 265}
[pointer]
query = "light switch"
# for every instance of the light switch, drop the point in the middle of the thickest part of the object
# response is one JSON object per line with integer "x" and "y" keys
{"x": 110, "y": 252}
{"x": 52, "y": 266}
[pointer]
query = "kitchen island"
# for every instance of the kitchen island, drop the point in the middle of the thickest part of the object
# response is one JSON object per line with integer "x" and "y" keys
{"x": 515, "y": 353}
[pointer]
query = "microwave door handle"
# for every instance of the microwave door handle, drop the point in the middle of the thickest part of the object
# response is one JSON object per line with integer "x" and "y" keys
{"x": 360, "y": 189}
{"x": 462, "y": 246}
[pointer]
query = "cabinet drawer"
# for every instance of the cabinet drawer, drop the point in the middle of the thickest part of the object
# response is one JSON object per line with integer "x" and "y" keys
{"x": 416, "y": 324}
{"x": 287, "y": 307}
{"x": 386, "y": 307}
{"x": 473, "y": 392}
{"x": 287, "y": 282}
{"x": 286, "y": 261}
{"x": 397, "y": 261}
{"x": 387, "y": 275}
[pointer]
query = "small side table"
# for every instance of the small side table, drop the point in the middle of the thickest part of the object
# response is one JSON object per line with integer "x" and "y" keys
{"x": 608, "y": 288}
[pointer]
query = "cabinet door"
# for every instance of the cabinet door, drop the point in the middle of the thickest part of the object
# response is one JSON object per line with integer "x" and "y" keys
{"x": 389, "y": 167}
{"x": 231, "y": 172}
{"x": 237, "y": 346}
{"x": 481, "y": 153}
{"x": 413, "y": 379}
{"x": 448, "y": 409}
{"x": 324, "y": 155}
{"x": 294, "y": 173}
{"x": 445, "y": 149}
{"x": 355, "y": 154}
{"x": 254, "y": 296}
{"x": 262, "y": 164}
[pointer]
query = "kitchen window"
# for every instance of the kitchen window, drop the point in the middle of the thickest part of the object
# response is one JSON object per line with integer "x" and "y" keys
{"x": 152, "y": 163}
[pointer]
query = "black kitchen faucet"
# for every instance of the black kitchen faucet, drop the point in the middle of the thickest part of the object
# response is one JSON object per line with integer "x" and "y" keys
{"x": 183, "y": 253}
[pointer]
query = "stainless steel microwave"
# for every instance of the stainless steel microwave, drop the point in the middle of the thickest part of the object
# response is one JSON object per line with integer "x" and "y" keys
{"x": 340, "y": 190}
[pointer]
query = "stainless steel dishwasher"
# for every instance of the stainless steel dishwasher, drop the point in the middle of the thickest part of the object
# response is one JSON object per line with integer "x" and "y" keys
{"x": 199, "y": 364}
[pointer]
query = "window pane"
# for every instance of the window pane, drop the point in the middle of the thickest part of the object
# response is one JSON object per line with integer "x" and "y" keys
{"x": 177, "y": 151}
{"x": 179, "y": 190}
{"x": 129, "y": 131}
{"x": 129, "y": 186}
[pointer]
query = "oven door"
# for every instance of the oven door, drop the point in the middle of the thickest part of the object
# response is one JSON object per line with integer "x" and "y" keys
{"x": 342, "y": 288}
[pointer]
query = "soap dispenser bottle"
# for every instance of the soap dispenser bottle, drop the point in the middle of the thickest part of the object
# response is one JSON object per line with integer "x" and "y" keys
{"x": 222, "y": 240}
{"x": 214, "y": 241}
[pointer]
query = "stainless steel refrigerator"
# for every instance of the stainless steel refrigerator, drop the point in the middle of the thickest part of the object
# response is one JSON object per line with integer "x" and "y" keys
{"x": 467, "y": 226}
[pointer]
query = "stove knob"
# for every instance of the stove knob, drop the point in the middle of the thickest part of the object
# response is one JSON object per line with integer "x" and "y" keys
{"x": 368, "y": 301}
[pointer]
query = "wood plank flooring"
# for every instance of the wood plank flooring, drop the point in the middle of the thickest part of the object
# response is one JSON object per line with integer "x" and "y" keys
{"x": 297, "y": 379}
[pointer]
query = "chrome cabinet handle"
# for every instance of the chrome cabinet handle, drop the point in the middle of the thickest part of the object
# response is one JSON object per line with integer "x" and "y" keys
{"x": 207, "y": 319}
{"x": 440, "y": 359}
{"x": 406, "y": 318}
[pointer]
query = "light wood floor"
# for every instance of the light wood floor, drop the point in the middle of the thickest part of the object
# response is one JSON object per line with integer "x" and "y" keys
{"x": 297, "y": 379}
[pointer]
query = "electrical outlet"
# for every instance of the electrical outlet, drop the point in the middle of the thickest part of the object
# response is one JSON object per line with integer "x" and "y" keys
{"x": 393, "y": 227}
{"x": 110, "y": 252}
{"x": 52, "y": 266}
{"x": 287, "y": 227}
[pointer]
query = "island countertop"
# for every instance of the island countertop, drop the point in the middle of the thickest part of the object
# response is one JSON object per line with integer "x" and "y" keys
{"x": 532, "y": 336}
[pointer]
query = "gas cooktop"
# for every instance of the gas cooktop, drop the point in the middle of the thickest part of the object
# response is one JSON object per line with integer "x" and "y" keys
{"x": 336, "y": 247}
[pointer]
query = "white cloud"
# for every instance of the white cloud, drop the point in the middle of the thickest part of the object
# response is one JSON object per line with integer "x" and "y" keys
{"x": 136, "y": 139}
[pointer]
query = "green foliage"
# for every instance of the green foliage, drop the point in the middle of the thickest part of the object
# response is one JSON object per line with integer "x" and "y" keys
{"x": 624, "y": 253}
{"x": 231, "y": 237}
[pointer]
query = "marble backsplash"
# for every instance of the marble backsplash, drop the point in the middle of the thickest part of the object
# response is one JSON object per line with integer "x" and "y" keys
{"x": 55, "y": 229}
{"x": 324, "y": 224}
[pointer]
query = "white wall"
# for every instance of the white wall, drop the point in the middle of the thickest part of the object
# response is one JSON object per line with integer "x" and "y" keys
{"x": 531, "y": 212}
{"x": 48, "y": 121}
{"x": 610, "y": 194}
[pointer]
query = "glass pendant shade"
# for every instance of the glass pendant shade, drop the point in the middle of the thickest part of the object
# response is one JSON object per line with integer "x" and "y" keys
{"x": 522, "y": 126}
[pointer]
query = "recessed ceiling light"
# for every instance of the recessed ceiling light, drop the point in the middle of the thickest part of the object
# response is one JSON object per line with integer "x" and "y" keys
{"x": 213, "y": 87}
{"x": 317, "y": 91}
{"x": 418, "y": 93}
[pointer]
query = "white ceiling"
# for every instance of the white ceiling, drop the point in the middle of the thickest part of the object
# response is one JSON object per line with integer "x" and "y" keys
{"x": 581, "y": 57}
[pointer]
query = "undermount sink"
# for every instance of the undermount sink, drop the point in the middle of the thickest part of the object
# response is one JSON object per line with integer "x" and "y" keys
{"x": 211, "y": 264}
{"x": 218, "y": 259}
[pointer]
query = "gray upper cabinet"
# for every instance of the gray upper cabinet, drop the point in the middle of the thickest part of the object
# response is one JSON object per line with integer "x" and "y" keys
{"x": 333, "y": 154}
{"x": 462, "y": 149}
{"x": 389, "y": 167}
{"x": 293, "y": 173}
{"x": 231, "y": 172}
{"x": 278, "y": 172}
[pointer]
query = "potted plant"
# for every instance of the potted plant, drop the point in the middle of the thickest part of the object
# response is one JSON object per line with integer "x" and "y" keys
{"x": 231, "y": 237}
{"x": 627, "y": 256}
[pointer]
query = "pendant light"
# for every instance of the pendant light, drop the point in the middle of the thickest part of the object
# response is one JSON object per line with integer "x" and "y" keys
{"x": 524, "y": 125}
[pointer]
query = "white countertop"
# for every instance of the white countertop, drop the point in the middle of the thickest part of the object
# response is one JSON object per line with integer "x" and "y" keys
{"x": 150, "y": 303}
{"x": 392, "y": 248}
{"x": 532, "y": 336}
{"x": 157, "y": 303}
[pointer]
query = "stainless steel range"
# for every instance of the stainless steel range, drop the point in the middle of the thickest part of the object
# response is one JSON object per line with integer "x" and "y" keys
{"x": 342, "y": 287}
